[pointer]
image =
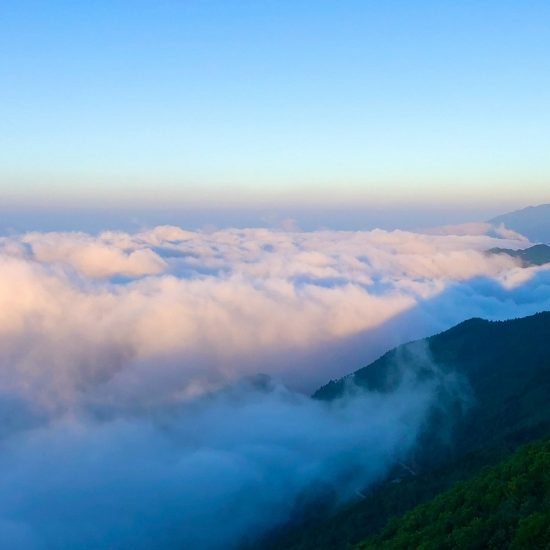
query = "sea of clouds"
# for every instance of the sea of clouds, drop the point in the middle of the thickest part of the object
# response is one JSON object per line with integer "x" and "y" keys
{"x": 132, "y": 413}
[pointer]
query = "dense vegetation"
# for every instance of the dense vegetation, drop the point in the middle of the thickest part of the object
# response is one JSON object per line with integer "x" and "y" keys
{"x": 494, "y": 384}
{"x": 500, "y": 403}
{"x": 506, "y": 506}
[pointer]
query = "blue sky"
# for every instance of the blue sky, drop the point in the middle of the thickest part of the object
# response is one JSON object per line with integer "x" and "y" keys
{"x": 274, "y": 103}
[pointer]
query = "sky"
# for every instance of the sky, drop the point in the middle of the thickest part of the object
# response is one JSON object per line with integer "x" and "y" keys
{"x": 208, "y": 210}
{"x": 239, "y": 105}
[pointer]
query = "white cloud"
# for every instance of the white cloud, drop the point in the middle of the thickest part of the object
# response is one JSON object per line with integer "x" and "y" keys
{"x": 201, "y": 309}
{"x": 93, "y": 257}
{"x": 110, "y": 346}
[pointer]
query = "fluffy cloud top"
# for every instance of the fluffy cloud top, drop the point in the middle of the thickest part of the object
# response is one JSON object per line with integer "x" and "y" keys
{"x": 167, "y": 313}
{"x": 114, "y": 349}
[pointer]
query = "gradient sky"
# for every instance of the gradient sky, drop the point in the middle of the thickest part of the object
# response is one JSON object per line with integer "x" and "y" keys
{"x": 234, "y": 103}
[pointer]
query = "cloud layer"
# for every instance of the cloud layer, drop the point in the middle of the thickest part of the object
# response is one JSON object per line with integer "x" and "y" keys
{"x": 205, "y": 475}
{"x": 117, "y": 351}
{"x": 174, "y": 313}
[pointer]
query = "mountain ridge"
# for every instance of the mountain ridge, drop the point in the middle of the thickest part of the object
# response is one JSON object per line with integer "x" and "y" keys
{"x": 536, "y": 255}
{"x": 533, "y": 222}
{"x": 507, "y": 367}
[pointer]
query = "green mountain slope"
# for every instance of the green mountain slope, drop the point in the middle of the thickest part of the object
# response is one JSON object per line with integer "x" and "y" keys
{"x": 504, "y": 367}
{"x": 506, "y": 506}
{"x": 494, "y": 388}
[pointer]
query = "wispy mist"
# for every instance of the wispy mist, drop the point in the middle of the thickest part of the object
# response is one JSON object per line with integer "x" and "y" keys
{"x": 208, "y": 474}
{"x": 129, "y": 417}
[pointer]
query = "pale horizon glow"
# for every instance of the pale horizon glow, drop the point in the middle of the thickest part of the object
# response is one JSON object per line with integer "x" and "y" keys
{"x": 210, "y": 209}
{"x": 194, "y": 104}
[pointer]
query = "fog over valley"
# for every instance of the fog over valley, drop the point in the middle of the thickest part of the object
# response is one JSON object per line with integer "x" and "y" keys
{"x": 174, "y": 367}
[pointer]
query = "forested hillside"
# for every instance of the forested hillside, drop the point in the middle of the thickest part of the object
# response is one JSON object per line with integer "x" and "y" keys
{"x": 497, "y": 400}
{"x": 506, "y": 506}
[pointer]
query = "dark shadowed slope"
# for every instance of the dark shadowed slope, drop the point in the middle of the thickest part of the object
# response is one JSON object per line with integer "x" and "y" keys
{"x": 533, "y": 222}
{"x": 538, "y": 254}
{"x": 502, "y": 374}
{"x": 505, "y": 366}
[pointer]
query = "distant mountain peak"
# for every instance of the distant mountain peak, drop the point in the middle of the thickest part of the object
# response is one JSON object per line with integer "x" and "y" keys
{"x": 539, "y": 254}
{"x": 533, "y": 222}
